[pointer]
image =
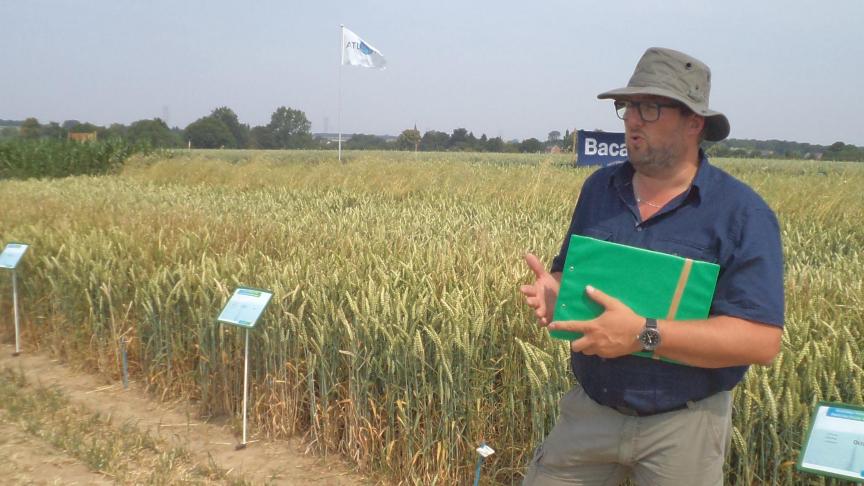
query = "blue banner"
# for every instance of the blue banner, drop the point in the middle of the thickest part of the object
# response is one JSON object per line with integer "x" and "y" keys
{"x": 601, "y": 148}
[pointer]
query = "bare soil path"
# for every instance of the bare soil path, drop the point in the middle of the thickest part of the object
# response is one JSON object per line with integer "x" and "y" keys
{"x": 25, "y": 459}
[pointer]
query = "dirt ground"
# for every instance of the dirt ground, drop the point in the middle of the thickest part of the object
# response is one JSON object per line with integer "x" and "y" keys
{"x": 25, "y": 459}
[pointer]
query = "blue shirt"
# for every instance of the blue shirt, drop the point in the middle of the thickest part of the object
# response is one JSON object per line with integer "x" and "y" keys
{"x": 719, "y": 220}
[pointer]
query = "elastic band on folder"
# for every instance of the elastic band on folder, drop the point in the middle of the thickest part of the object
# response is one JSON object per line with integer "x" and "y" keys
{"x": 679, "y": 289}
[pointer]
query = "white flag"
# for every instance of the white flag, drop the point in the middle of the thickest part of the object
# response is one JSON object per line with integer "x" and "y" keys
{"x": 357, "y": 52}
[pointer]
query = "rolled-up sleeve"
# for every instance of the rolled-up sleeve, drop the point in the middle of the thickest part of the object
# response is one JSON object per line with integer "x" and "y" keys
{"x": 750, "y": 285}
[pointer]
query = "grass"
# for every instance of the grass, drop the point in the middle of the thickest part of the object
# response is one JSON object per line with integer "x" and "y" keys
{"x": 396, "y": 336}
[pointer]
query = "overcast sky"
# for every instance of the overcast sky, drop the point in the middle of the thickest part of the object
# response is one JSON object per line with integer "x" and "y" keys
{"x": 791, "y": 70}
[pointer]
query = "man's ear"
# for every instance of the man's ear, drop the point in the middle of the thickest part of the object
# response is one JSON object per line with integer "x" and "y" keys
{"x": 696, "y": 124}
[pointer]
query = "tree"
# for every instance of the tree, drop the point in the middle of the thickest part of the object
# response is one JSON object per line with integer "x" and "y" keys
{"x": 495, "y": 144}
{"x": 209, "y": 132}
{"x": 261, "y": 137}
{"x": 434, "y": 141}
{"x": 841, "y": 151}
{"x": 531, "y": 145}
{"x": 53, "y": 130}
{"x": 409, "y": 139}
{"x": 8, "y": 132}
{"x": 553, "y": 136}
{"x": 718, "y": 150}
{"x": 360, "y": 141}
{"x": 152, "y": 132}
{"x": 290, "y": 128}
{"x": 458, "y": 139}
{"x": 117, "y": 130}
{"x": 471, "y": 142}
{"x": 238, "y": 130}
{"x": 30, "y": 128}
{"x": 85, "y": 127}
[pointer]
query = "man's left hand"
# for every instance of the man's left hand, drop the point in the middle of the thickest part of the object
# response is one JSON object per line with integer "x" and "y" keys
{"x": 611, "y": 334}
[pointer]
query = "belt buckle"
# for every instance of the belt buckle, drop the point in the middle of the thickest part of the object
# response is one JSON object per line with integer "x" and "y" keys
{"x": 626, "y": 411}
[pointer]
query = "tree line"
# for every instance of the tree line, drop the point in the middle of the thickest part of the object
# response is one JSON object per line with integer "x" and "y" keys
{"x": 782, "y": 149}
{"x": 288, "y": 129}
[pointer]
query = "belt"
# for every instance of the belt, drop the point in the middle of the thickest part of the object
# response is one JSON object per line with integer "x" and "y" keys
{"x": 623, "y": 410}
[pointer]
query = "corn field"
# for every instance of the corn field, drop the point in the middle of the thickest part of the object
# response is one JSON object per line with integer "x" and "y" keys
{"x": 22, "y": 159}
{"x": 396, "y": 336}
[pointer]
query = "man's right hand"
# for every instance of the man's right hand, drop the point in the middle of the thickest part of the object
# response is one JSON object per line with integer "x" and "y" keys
{"x": 542, "y": 294}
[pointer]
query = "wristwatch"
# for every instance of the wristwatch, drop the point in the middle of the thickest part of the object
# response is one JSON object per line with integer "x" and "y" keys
{"x": 650, "y": 336}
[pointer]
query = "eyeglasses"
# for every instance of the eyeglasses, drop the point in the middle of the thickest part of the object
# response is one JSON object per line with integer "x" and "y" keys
{"x": 649, "y": 111}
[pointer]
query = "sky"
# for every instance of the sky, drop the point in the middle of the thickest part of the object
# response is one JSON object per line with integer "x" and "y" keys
{"x": 788, "y": 70}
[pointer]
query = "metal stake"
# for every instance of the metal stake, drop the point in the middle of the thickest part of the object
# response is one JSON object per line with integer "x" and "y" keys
{"x": 242, "y": 445}
{"x": 15, "y": 305}
{"x": 125, "y": 363}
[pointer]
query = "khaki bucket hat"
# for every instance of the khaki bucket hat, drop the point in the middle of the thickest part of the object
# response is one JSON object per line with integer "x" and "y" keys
{"x": 675, "y": 75}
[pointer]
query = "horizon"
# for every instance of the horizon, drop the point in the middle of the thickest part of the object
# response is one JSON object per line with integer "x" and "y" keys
{"x": 395, "y": 136}
{"x": 497, "y": 68}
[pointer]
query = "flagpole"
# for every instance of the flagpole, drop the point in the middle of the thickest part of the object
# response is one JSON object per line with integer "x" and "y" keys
{"x": 339, "y": 102}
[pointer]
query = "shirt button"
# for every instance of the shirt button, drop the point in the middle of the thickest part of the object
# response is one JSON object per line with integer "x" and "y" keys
{"x": 638, "y": 228}
{"x": 605, "y": 391}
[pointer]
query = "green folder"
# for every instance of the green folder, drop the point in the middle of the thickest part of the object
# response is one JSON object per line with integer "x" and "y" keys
{"x": 652, "y": 283}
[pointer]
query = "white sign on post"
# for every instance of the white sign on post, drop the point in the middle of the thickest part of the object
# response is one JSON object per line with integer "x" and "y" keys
{"x": 834, "y": 445}
{"x": 9, "y": 259}
{"x": 243, "y": 309}
{"x": 12, "y": 255}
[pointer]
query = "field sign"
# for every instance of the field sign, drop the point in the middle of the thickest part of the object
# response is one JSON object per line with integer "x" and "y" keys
{"x": 834, "y": 445}
{"x": 12, "y": 255}
{"x": 245, "y": 307}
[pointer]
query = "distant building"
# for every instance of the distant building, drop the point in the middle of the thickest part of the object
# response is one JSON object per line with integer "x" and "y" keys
{"x": 331, "y": 137}
{"x": 553, "y": 149}
{"x": 334, "y": 137}
{"x": 82, "y": 137}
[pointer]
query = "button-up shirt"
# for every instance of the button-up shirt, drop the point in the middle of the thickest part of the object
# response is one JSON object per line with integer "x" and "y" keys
{"x": 718, "y": 219}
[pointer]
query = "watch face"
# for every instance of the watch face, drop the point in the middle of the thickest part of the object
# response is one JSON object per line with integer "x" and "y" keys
{"x": 649, "y": 338}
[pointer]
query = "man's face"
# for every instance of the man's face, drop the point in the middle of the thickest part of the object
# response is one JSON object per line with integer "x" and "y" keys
{"x": 657, "y": 144}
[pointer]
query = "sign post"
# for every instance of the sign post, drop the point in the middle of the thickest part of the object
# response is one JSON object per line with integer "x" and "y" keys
{"x": 124, "y": 360}
{"x": 9, "y": 259}
{"x": 484, "y": 451}
{"x": 243, "y": 310}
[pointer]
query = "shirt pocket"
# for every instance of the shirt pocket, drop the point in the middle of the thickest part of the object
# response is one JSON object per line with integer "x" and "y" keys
{"x": 598, "y": 233}
{"x": 693, "y": 250}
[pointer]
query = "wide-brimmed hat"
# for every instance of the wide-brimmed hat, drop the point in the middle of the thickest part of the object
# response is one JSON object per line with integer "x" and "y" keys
{"x": 675, "y": 75}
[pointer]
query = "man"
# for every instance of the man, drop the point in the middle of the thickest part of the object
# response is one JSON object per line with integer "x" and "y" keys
{"x": 658, "y": 422}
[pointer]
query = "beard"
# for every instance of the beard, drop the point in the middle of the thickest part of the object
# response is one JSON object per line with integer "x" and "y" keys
{"x": 653, "y": 156}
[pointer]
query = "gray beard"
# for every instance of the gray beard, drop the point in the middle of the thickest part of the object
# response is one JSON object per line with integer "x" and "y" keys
{"x": 654, "y": 159}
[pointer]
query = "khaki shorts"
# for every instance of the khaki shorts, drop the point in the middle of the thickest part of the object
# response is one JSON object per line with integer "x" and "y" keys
{"x": 595, "y": 445}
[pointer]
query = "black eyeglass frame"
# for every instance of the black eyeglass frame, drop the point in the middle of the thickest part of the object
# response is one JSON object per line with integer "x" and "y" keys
{"x": 621, "y": 107}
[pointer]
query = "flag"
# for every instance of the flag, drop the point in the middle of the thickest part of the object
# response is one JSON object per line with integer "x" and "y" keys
{"x": 357, "y": 52}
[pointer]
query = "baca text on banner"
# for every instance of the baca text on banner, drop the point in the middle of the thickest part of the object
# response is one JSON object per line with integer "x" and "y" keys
{"x": 601, "y": 148}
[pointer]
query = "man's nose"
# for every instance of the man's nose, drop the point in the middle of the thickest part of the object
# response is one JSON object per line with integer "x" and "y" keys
{"x": 632, "y": 117}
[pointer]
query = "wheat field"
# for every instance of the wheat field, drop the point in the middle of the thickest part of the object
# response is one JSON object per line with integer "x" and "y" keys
{"x": 396, "y": 336}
